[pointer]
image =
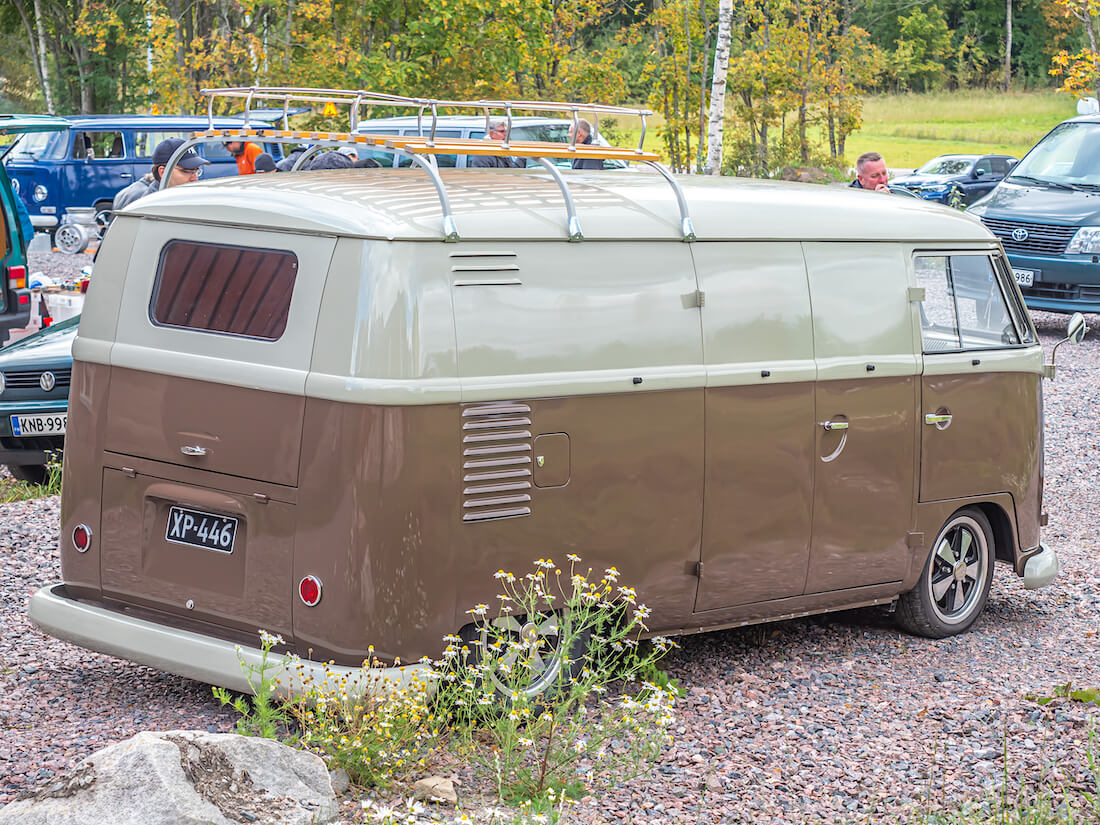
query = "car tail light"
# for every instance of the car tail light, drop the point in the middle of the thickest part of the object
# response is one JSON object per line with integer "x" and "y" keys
{"x": 17, "y": 277}
{"x": 309, "y": 589}
{"x": 82, "y": 538}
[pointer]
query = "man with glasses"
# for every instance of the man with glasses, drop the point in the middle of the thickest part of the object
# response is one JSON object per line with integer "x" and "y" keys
{"x": 498, "y": 130}
{"x": 187, "y": 169}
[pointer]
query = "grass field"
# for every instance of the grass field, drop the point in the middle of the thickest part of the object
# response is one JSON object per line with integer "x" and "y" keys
{"x": 909, "y": 129}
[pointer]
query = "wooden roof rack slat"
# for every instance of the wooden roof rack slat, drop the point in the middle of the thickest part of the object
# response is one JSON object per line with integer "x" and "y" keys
{"x": 422, "y": 148}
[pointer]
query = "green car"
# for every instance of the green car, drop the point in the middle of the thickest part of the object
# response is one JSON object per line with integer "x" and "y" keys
{"x": 15, "y": 229}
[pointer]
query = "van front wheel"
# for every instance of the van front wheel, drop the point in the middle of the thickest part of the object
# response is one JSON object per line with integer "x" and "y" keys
{"x": 954, "y": 585}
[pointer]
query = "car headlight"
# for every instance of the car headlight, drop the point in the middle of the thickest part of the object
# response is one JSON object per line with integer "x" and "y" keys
{"x": 1086, "y": 241}
{"x": 1, "y": 383}
{"x": 15, "y": 185}
{"x": 936, "y": 188}
{"x": 40, "y": 193}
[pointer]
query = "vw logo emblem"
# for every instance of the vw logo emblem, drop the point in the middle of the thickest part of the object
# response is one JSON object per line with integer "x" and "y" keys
{"x": 47, "y": 381}
{"x": 1019, "y": 235}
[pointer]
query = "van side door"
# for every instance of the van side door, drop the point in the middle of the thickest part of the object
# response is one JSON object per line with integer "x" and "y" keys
{"x": 759, "y": 349}
{"x": 867, "y": 397}
{"x": 981, "y": 399}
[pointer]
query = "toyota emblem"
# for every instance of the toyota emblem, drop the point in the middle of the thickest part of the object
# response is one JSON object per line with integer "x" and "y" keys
{"x": 47, "y": 381}
{"x": 1019, "y": 235}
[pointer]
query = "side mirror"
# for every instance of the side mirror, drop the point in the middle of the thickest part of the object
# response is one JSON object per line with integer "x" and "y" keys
{"x": 1075, "y": 332}
{"x": 89, "y": 154}
{"x": 979, "y": 172}
{"x": 1076, "y": 329}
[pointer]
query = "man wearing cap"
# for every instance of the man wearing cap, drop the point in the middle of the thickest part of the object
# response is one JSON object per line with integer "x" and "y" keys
{"x": 245, "y": 154}
{"x": 187, "y": 169}
{"x": 349, "y": 152}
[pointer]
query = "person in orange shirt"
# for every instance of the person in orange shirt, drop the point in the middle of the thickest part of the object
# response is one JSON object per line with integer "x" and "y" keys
{"x": 245, "y": 153}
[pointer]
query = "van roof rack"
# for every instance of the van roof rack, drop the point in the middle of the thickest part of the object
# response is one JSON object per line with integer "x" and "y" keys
{"x": 423, "y": 147}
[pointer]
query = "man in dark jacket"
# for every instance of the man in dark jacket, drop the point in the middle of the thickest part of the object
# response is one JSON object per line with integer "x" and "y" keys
{"x": 584, "y": 136}
{"x": 498, "y": 130}
{"x": 871, "y": 173}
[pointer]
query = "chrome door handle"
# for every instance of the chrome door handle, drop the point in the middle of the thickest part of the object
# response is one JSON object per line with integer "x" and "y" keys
{"x": 937, "y": 418}
{"x": 834, "y": 425}
{"x": 193, "y": 449}
{"x": 125, "y": 174}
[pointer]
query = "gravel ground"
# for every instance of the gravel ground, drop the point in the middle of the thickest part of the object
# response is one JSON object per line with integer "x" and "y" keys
{"x": 838, "y": 718}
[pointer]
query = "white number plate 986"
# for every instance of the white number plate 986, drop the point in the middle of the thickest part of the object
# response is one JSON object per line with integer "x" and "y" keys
{"x": 197, "y": 529}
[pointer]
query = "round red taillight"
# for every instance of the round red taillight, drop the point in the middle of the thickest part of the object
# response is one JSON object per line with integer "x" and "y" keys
{"x": 82, "y": 537}
{"x": 309, "y": 589}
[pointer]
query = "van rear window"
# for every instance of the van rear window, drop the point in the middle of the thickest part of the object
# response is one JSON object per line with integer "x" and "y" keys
{"x": 232, "y": 290}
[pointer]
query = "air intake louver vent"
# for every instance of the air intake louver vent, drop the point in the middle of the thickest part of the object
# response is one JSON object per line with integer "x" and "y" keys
{"x": 1034, "y": 238}
{"x": 496, "y": 468}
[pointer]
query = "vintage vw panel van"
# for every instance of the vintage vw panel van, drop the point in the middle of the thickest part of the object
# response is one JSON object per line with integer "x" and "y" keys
{"x": 294, "y": 407}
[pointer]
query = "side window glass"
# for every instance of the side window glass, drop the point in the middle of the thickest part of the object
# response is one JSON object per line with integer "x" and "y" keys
{"x": 983, "y": 165}
{"x": 98, "y": 145}
{"x": 146, "y": 142}
{"x": 964, "y": 306}
{"x": 227, "y": 289}
{"x": 1000, "y": 166}
{"x": 214, "y": 151}
{"x": 939, "y": 331}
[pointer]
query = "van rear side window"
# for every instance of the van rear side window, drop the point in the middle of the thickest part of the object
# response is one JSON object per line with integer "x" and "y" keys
{"x": 225, "y": 289}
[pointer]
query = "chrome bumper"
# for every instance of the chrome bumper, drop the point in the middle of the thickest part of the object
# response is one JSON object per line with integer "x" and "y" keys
{"x": 1041, "y": 569}
{"x": 199, "y": 657}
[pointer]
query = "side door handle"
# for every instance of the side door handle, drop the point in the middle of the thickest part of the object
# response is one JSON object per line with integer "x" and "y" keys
{"x": 125, "y": 174}
{"x": 937, "y": 419}
{"x": 829, "y": 426}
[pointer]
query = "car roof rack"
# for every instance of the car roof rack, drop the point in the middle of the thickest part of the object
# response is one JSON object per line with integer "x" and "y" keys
{"x": 424, "y": 146}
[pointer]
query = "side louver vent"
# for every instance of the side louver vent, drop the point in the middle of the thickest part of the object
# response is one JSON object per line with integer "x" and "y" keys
{"x": 496, "y": 461}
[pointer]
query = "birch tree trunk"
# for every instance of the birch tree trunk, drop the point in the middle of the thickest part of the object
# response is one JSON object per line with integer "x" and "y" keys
{"x": 717, "y": 119}
{"x": 1008, "y": 45}
{"x": 44, "y": 68}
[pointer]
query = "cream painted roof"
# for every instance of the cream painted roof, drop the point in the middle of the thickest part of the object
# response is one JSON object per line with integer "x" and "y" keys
{"x": 527, "y": 204}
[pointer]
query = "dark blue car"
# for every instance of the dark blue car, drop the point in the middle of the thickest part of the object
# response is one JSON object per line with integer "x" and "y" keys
{"x": 34, "y": 399}
{"x": 970, "y": 176}
{"x": 99, "y": 155}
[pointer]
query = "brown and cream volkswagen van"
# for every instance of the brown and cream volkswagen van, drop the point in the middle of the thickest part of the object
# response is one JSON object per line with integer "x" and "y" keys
{"x": 295, "y": 407}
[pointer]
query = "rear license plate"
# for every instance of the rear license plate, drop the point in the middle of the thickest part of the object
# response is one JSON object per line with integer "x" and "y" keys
{"x": 52, "y": 424}
{"x": 1024, "y": 277}
{"x": 198, "y": 529}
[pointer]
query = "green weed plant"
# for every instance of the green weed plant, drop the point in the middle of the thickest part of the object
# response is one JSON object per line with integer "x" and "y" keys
{"x": 531, "y": 687}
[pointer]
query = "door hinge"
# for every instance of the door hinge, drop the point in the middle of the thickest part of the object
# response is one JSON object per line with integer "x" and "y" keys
{"x": 700, "y": 298}
{"x": 698, "y": 570}
{"x": 129, "y": 472}
{"x": 260, "y": 497}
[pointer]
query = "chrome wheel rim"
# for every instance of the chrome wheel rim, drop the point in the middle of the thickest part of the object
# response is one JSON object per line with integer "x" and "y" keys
{"x": 536, "y": 642}
{"x": 956, "y": 576}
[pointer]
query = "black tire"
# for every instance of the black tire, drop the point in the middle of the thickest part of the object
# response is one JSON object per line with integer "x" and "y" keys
{"x": 30, "y": 473}
{"x": 560, "y": 669}
{"x": 955, "y": 582}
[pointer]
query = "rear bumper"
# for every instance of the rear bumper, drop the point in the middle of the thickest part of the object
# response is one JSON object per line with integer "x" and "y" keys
{"x": 199, "y": 657}
{"x": 1041, "y": 569}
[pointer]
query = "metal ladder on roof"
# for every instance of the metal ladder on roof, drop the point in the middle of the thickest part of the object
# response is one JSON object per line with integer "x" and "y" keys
{"x": 424, "y": 146}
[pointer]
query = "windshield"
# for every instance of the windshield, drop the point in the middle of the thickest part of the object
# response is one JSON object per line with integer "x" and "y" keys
{"x": 946, "y": 166}
{"x": 33, "y": 144}
{"x": 1069, "y": 155}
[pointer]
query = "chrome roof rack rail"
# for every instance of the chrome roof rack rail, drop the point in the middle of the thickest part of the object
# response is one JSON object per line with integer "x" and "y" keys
{"x": 423, "y": 148}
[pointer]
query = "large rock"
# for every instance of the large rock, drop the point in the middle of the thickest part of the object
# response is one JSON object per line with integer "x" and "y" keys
{"x": 185, "y": 778}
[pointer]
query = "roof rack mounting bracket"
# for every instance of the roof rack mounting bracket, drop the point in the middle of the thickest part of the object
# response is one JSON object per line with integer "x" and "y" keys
{"x": 450, "y": 231}
{"x": 686, "y": 226}
{"x": 574, "y": 223}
